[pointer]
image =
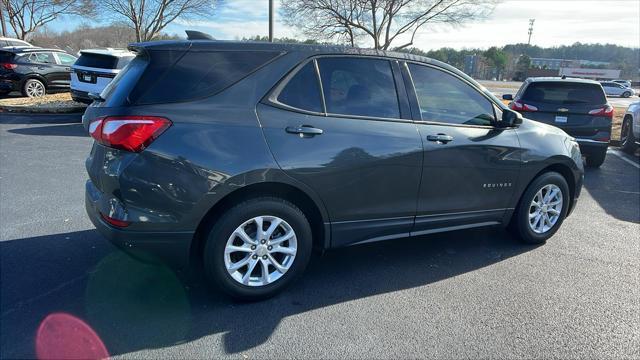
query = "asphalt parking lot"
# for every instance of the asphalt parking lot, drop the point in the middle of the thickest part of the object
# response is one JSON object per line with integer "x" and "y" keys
{"x": 465, "y": 294}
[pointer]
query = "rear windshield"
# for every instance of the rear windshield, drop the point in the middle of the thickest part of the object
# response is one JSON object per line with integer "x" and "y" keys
{"x": 98, "y": 61}
{"x": 195, "y": 75}
{"x": 564, "y": 93}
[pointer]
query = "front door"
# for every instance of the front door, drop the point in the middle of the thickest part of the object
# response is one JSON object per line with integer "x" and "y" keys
{"x": 350, "y": 143}
{"x": 470, "y": 165}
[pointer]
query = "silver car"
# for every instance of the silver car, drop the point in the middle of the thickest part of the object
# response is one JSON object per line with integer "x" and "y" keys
{"x": 630, "y": 134}
{"x": 614, "y": 89}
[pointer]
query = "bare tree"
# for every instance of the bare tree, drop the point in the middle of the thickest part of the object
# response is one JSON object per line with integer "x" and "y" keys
{"x": 26, "y": 16}
{"x": 149, "y": 17}
{"x": 381, "y": 21}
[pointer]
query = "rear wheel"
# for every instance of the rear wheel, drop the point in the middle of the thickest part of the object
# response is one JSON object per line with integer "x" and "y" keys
{"x": 257, "y": 248}
{"x": 596, "y": 159}
{"x": 627, "y": 140}
{"x": 626, "y": 94}
{"x": 33, "y": 88}
{"x": 542, "y": 208}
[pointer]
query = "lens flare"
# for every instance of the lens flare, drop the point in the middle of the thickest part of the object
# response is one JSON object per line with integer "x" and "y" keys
{"x": 64, "y": 336}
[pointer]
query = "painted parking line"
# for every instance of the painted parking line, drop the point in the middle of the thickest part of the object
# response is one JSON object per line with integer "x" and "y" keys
{"x": 624, "y": 157}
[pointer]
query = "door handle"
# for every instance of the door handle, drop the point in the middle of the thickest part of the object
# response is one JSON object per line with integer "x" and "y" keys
{"x": 304, "y": 130}
{"x": 440, "y": 138}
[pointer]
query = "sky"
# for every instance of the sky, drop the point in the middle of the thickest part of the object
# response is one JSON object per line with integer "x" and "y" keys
{"x": 558, "y": 22}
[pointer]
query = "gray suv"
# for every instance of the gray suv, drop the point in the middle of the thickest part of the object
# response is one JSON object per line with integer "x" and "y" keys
{"x": 246, "y": 157}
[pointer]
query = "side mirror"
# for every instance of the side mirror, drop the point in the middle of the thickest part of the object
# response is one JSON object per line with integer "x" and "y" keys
{"x": 510, "y": 118}
{"x": 507, "y": 97}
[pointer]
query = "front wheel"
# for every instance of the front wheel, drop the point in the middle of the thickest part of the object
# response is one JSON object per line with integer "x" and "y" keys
{"x": 257, "y": 248}
{"x": 542, "y": 208}
{"x": 626, "y": 137}
{"x": 626, "y": 94}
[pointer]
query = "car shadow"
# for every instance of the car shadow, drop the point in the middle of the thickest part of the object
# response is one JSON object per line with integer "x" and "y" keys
{"x": 135, "y": 306}
{"x": 53, "y": 130}
{"x": 615, "y": 186}
{"x": 23, "y": 118}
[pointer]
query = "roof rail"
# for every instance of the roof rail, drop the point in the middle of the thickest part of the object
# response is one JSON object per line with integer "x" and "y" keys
{"x": 198, "y": 35}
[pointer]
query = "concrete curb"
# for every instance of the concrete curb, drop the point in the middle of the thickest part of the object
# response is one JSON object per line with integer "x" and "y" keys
{"x": 41, "y": 110}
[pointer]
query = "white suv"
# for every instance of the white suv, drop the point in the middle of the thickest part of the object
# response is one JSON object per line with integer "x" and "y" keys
{"x": 94, "y": 70}
{"x": 614, "y": 89}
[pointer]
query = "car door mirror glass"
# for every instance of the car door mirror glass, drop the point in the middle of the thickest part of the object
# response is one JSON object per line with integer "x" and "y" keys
{"x": 510, "y": 118}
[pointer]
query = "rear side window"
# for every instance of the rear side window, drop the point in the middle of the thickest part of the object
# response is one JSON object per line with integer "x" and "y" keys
{"x": 43, "y": 58}
{"x": 445, "y": 98}
{"x": 66, "y": 59}
{"x": 197, "y": 74}
{"x": 359, "y": 86}
{"x": 564, "y": 93}
{"x": 303, "y": 90}
{"x": 99, "y": 61}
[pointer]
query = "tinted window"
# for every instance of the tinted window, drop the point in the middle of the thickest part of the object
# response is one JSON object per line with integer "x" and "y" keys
{"x": 359, "y": 86}
{"x": 66, "y": 59}
{"x": 564, "y": 93}
{"x": 6, "y": 56}
{"x": 303, "y": 90}
{"x": 45, "y": 58}
{"x": 117, "y": 91}
{"x": 99, "y": 61}
{"x": 444, "y": 98}
{"x": 197, "y": 74}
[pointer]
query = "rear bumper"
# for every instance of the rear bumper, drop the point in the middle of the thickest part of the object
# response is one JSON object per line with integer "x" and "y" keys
{"x": 590, "y": 145}
{"x": 81, "y": 96}
{"x": 170, "y": 248}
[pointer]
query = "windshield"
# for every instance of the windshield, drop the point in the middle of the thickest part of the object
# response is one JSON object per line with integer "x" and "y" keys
{"x": 564, "y": 93}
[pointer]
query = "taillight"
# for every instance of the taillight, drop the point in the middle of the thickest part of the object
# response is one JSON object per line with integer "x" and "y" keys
{"x": 115, "y": 222}
{"x": 130, "y": 133}
{"x": 606, "y": 111}
{"x": 518, "y": 106}
{"x": 8, "y": 66}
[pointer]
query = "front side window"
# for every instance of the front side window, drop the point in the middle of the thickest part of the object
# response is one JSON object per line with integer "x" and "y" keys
{"x": 359, "y": 86}
{"x": 444, "y": 98}
{"x": 66, "y": 59}
{"x": 303, "y": 90}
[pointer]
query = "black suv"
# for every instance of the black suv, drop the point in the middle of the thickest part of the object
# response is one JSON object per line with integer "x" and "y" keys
{"x": 247, "y": 156}
{"x": 577, "y": 106}
{"x": 34, "y": 71}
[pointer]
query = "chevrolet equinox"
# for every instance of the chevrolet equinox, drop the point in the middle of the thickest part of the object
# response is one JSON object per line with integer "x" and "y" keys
{"x": 245, "y": 157}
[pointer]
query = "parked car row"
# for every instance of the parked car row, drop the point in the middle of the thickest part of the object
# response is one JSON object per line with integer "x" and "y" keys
{"x": 36, "y": 71}
{"x": 617, "y": 88}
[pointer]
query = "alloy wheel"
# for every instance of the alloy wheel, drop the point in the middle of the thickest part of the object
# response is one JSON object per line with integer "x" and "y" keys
{"x": 260, "y": 251}
{"x": 545, "y": 209}
{"x": 35, "y": 89}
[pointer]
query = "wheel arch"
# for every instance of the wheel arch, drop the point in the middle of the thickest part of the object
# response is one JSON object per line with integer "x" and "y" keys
{"x": 565, "y": 171}
{"x": 311, "y": 209}
{"x": 34, "y": 76}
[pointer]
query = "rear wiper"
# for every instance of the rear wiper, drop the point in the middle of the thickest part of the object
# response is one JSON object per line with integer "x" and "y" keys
{"x": 95, "y": 97}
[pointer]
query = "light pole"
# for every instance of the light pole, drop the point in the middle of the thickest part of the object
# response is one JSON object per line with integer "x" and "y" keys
{"x": 270, "y": 20}
{"x": 531, "y": 21}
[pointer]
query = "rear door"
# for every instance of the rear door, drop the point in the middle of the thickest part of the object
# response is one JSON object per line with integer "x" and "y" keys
{"x": 567, "y": 105}
{"x": 44, "y": 64}
{"x": 64, "y": 62}
{"x": 349, "y": 137}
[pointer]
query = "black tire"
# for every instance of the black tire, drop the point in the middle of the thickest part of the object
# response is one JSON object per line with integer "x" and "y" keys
{"x": 214, "y": 249}
{"x": 627, "y": 139}
{"x": 626, "y": 94}
{"x": 520, "y": 222}
{"x": 33, "y": 83}
{"x": 596, "y": 158}
{"x": 4, "y": 93}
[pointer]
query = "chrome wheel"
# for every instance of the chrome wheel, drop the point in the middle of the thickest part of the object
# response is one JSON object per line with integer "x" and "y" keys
{"x": 545, "y": 209}
{"x": 34, "y": 88}
{"x": 260, "y": 251}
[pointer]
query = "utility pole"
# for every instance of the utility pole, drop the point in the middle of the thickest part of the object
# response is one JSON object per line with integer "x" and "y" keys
{"x": 270, "y": 20}
{"x": 531, "y": 21}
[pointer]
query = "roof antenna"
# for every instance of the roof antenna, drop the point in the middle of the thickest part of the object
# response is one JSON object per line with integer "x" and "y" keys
{"x": 198, "y": 35}
{"x": 564, "y": 77}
